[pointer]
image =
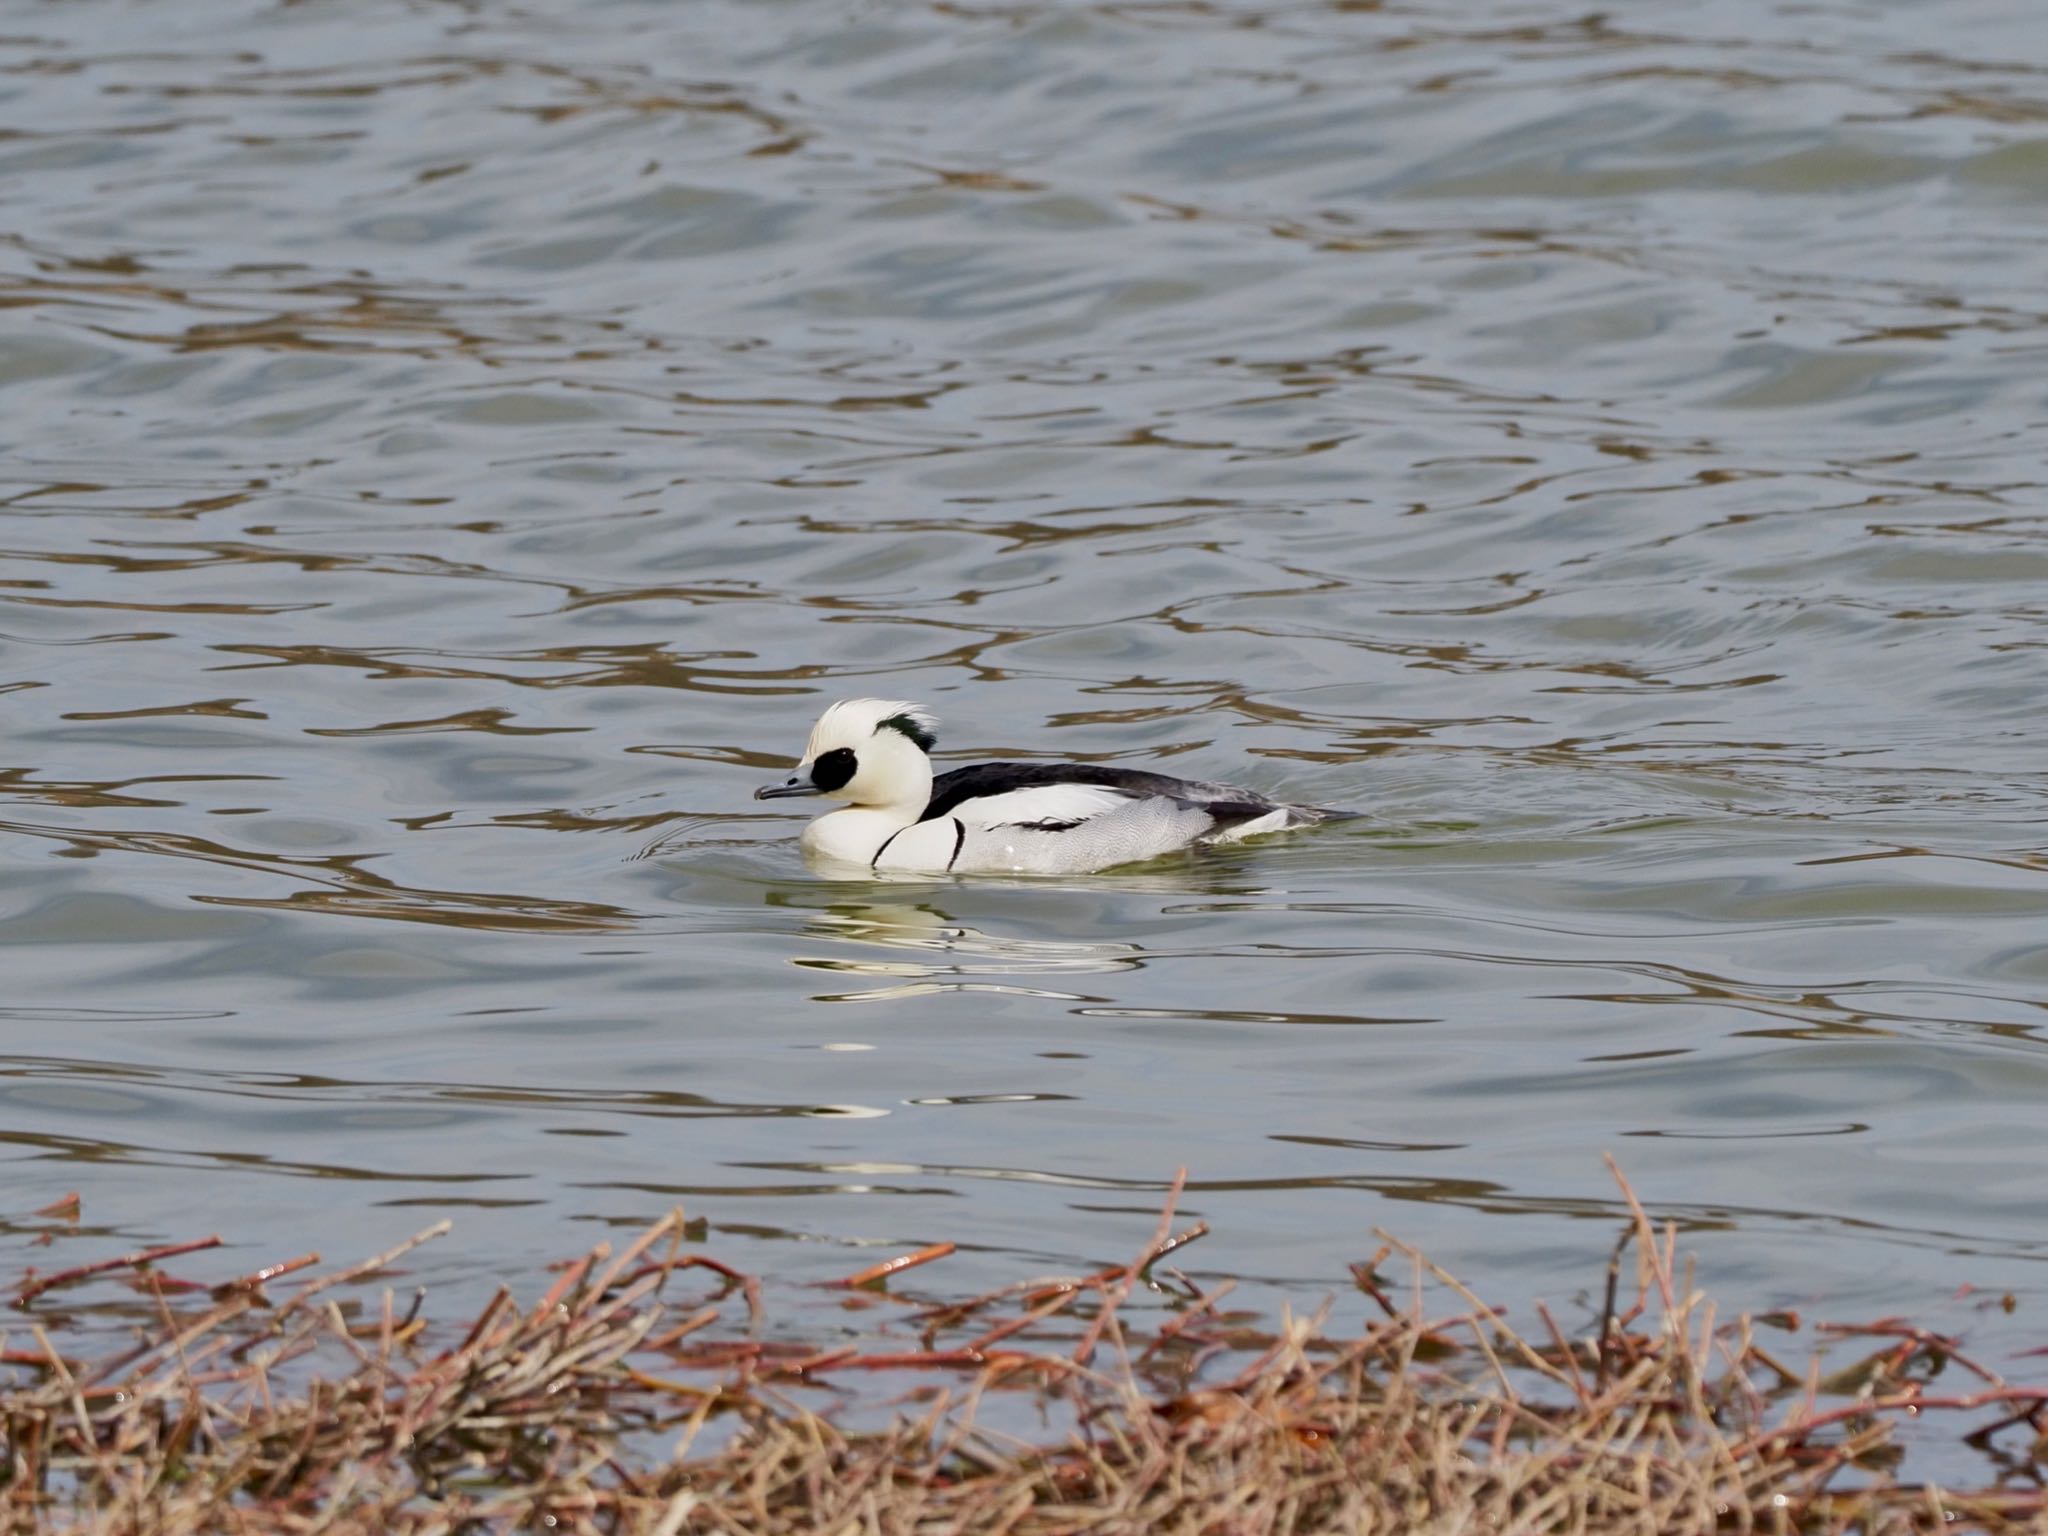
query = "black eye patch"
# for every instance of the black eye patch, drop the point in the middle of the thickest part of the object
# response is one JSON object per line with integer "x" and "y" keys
{"x": 833, "y": 769}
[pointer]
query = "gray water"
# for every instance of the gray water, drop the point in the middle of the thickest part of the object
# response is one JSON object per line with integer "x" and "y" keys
{"x": 451, "y": 453}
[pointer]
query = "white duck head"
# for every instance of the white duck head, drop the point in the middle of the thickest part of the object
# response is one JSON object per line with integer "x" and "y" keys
{"x": 871, "y": 754}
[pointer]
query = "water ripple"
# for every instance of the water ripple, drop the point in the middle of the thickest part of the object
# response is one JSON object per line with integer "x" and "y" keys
{"x": 452, "y": 453}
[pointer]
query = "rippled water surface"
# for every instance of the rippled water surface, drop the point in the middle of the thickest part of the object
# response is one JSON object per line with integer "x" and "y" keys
{"x": 453, "y": 451}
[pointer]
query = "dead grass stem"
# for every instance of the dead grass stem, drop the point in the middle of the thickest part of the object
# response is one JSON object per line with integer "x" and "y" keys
{"x": 614, "y": 1405}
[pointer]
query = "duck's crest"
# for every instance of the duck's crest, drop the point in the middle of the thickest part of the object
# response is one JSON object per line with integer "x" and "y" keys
{"x": 916, "y": 722}
{"x": 852, "y": 721}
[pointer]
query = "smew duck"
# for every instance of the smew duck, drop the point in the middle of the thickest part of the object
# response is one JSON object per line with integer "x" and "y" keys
{"x": 874, "y": 756}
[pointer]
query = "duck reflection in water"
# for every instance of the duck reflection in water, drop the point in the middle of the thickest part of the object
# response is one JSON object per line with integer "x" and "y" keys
{"x": 935, "y": 952}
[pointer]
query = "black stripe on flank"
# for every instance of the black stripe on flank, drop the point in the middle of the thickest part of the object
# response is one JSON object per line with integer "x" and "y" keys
{"x": 876, "y": 861}
{"x": 959, "y": 840}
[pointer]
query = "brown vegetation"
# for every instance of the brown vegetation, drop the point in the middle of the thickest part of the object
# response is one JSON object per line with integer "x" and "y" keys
{"x": 607, "y": 1407}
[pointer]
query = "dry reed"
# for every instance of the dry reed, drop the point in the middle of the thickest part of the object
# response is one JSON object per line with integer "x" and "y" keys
{"x": 616, "y": 1404}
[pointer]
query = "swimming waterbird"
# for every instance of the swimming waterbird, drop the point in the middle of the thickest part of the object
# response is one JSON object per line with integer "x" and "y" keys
{"x": 1031, "y": 818}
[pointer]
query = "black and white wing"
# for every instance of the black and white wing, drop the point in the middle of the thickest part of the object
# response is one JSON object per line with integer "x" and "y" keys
{"x": 1059, "y": 797}
{"x": 1074, "y": 818}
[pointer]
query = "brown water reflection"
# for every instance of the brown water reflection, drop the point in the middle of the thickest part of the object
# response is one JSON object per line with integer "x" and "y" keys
{"x": 451, "y": 453}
